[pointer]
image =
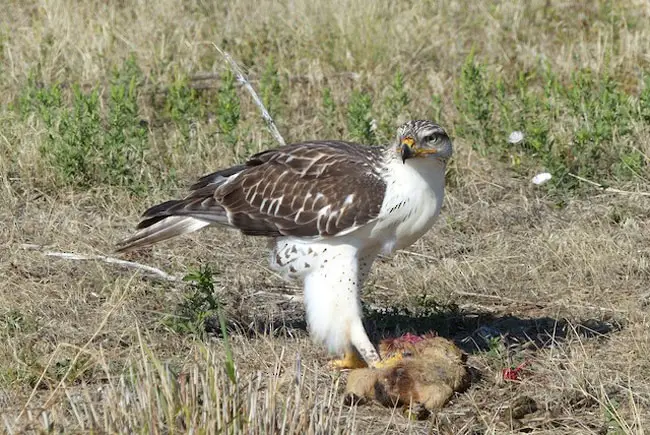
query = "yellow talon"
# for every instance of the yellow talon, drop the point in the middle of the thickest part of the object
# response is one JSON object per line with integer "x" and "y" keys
{"x": 390, "y": 361}
{"x": 349, "y": 361}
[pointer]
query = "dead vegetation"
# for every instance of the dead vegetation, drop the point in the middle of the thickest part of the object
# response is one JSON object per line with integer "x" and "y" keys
{"x": 102, "y": 116}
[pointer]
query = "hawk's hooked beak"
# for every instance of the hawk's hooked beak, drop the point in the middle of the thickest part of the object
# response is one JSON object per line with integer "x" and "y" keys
{"x": 407, "y": 148}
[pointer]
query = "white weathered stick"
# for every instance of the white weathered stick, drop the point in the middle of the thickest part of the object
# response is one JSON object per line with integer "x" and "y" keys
{"x": 608, "y": 189}
{"x": 536, "y": 304}
{"x": 241, "y": 78}
{"x": 152, "y": 271}
{"x": 287, "y": 297}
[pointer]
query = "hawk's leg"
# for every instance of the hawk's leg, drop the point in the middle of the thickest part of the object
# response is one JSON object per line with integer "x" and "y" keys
{"x": 358, "y": 335}
{"x": 333, "y": 310}
{"x": 361, "y": 353}
{"x": 359, "y": 339}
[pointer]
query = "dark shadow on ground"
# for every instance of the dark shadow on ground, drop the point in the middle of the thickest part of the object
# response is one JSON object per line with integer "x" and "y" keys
{"x": 476, "y": 331}
{"x": 472, "y": 331}
{"x": 276, "y": 317}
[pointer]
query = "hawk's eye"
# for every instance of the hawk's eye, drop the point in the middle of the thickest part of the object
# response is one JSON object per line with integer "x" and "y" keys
{"x": 430, "y": 138}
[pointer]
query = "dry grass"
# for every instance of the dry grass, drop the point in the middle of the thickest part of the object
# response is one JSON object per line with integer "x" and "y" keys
{"x": 560, "y": 275}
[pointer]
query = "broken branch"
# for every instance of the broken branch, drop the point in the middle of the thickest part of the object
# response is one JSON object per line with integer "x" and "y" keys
{"x": 149, "y": 270}
{"x": 241, "y": 78}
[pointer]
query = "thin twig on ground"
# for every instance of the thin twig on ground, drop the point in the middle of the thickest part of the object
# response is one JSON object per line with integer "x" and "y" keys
{"x": 418, "y": 254}
{"x": 608, "y": 189}
{"x": 536, "y": 304}
{"x": 149, "y": 270}
{"x": 241, "y": 78}
{"x": 285, "y": 296}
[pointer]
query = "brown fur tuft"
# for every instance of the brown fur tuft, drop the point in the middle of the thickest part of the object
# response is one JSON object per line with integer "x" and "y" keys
{"x": 423, "y": 371}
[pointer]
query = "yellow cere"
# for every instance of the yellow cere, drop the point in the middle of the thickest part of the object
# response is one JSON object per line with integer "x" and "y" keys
{"x": 408, "y": 141}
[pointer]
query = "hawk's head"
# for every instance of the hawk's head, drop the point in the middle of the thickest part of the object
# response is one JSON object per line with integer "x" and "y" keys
{"x": 423, "y": 139}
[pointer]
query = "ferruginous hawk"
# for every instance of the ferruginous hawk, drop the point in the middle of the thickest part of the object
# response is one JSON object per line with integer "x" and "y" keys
{"x": 329, "y": 207}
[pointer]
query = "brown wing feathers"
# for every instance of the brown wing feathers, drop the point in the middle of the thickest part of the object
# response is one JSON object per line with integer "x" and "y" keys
{"x": 217, "y": 178}
{"x": 308, "y": 189}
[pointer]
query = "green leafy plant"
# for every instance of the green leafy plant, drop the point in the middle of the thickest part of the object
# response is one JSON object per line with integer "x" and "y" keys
{"x": 436, "y": 108}
{"x": 182, "y": 105}
{"x": 14, "y": 321}
{"x": 395, "y": 106}
{"x": 199, "y": 309}
{"x": 227, "y": 109}
{"x": 360, "y": 126}
{"x": 125, "y": 140}
{"x": 474, "y": 100}
{"x": 43, "y": 101}
{"x": 495, "y": 347}
{"x": 644, "y": 99}
{"x": 328, "y": 112}
{"x": 85, "y": 145}
{"x": 600, "y": 118}
{"x": 74, "y": 139}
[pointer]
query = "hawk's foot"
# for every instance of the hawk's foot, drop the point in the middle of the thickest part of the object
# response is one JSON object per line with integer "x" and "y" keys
{"x": 388, "y": 362}
{"x": 350, "y": 361}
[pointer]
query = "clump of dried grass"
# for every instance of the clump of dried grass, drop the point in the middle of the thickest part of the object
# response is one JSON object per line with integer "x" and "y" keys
{"x": 152, "y": 397}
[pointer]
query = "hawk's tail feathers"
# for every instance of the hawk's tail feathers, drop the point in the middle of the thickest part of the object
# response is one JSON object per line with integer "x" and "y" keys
{"x": 173, "y": 218}
{"x": 180, "y": 216}
{"x": 163, "y": 229}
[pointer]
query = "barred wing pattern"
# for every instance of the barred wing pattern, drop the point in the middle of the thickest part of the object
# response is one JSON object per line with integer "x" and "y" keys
{"x": 309, "y": 189}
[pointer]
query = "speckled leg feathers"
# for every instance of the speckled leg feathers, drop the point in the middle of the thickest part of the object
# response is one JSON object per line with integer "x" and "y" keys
{"x": 333, "y": 275}
{"x": 359, "y": 337}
